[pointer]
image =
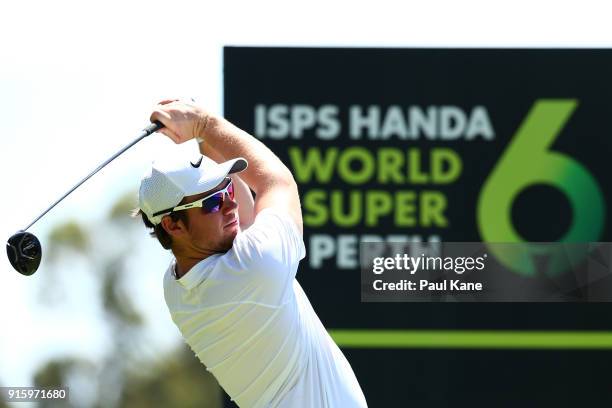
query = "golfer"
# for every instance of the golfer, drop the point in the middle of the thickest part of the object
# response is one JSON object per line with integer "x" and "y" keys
{"x": 231, "y": 287}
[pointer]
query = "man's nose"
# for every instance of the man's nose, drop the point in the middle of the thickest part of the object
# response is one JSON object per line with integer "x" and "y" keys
{"x": 228, "y": 205}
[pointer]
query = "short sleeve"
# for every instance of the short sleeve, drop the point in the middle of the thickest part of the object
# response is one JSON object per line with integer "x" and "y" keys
{"x": 267, "y": 256}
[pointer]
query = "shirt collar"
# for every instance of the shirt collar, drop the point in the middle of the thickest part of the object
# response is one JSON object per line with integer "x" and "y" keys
{"x": 198, "y": 273}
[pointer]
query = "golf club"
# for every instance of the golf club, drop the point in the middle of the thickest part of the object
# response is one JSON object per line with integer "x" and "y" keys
{"x": 23, "y": 248}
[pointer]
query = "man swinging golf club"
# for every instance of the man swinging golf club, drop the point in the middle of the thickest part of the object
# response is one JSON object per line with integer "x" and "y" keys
{"x": 231, "y": 287}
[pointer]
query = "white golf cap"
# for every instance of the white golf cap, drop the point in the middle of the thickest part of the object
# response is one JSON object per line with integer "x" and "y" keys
{"x": 168, "y": 180}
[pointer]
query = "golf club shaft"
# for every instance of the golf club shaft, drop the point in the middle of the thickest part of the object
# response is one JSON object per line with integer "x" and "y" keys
{"x": 152, "y": 128}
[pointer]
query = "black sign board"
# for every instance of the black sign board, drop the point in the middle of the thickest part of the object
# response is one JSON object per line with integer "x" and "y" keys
{"x": 426, "y": 145}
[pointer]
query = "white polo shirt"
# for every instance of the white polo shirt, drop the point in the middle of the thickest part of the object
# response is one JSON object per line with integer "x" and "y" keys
{"x": 250, "y": 323}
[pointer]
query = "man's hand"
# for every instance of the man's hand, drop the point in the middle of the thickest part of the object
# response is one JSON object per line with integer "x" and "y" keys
{"x": 182, "y": 120}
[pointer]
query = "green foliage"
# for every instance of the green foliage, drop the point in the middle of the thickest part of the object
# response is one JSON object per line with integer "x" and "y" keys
{"x": 115, "y": 299}
{"x": 122, "y": 209}
{"x": 2, "y": 403}
{"x": 55, "y": 373}
{"x": 71, "y": 235}
{"x": 179, "y": 380}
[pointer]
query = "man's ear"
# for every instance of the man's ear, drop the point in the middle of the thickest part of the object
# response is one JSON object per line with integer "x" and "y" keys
{"x": 174, "y": 229}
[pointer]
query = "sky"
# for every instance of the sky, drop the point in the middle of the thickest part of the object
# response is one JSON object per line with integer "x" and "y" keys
{"x": 78, "y": 80}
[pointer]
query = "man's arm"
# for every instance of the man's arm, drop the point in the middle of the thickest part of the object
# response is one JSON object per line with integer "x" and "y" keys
{"x": 266, "y": 175}
{"x": 244, "y": 197}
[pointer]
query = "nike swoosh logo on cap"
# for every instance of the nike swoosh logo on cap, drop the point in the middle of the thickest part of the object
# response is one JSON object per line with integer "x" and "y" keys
{"x": 196, "y": 165}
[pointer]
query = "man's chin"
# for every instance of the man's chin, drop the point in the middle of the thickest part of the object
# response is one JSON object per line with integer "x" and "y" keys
{"x": 228, "y": 242}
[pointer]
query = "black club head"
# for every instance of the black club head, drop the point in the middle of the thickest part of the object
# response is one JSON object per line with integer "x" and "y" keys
{"x": 24, "y": 252}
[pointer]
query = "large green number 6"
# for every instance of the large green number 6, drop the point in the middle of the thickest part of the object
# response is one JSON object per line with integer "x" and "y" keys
{"x": 528, "y": 161}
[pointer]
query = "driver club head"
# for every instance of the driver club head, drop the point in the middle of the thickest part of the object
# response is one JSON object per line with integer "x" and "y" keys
{"x": 24, "y": 252}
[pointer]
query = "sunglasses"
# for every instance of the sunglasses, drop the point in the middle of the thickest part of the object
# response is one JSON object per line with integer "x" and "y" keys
{"x": 210, "y": 204}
